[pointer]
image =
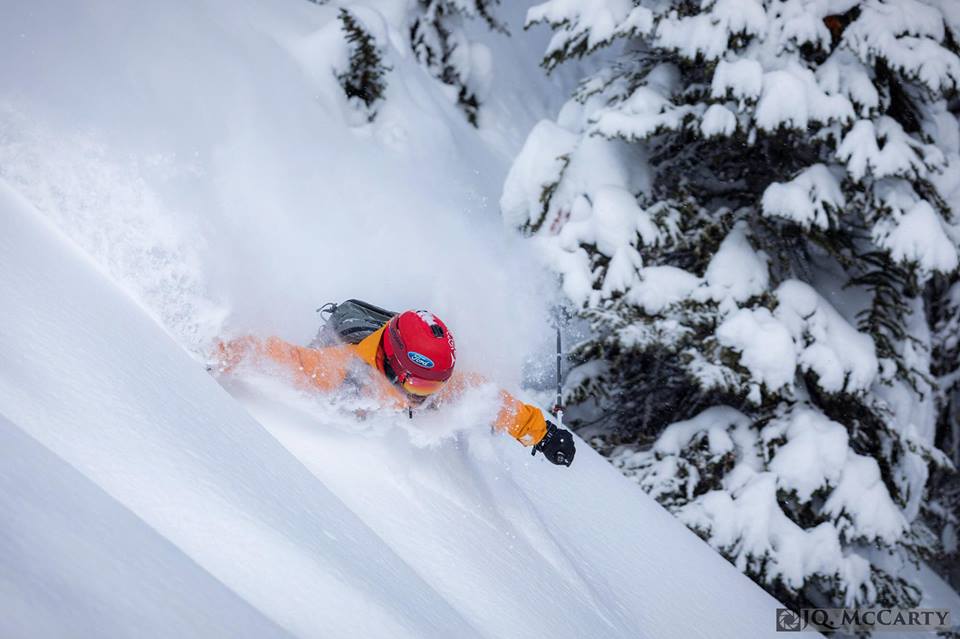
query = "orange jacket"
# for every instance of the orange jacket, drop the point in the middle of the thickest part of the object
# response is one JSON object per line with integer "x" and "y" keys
{"x": 328, "y": 368}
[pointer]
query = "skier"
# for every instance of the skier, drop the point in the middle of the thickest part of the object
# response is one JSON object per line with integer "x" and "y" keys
{"x": 406, "y": 363}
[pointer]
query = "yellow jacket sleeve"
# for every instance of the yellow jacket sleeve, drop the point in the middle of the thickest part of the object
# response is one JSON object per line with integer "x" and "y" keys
{"x": 323, "y": 368}
{"x": 524, "y": 422}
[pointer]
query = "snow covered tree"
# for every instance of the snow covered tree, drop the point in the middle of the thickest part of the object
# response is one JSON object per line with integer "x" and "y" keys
{"x": 943, "y": 509}
{"x": 438, "y": 38}
{"x": 441, "y": 45}
{"x": 747, "y": 204}
{"x": 364, "y": 80}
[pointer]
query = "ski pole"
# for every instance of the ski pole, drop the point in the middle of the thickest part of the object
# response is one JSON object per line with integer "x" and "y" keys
{"x": 558, "y": 409}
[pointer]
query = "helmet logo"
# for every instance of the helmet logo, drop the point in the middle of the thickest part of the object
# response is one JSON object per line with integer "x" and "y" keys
{"x": 420, "y": 360}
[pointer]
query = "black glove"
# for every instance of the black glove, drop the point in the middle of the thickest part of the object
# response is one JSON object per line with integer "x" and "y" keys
{"x": 557, "y": 446}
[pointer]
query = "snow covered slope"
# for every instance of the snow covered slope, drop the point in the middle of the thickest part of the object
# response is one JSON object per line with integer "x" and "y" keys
{"x": 98, "y": 385}
{"x": 174, "y": 171}
{"x": 138, "y": 495}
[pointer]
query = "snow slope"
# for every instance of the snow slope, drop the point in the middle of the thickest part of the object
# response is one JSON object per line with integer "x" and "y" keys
{"x": 97, "y": 384}
{"x": 162, "y": 505}
{"x": 170, "y": 172}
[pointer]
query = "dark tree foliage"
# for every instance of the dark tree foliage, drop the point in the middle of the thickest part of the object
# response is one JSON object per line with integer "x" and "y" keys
{"x": 942, "y": 510}
{"x": 440, "y": 45}
{"x": 364, "y": 81}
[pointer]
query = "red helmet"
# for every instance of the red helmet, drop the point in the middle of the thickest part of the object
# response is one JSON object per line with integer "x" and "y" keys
{"x": 419, "y": 352}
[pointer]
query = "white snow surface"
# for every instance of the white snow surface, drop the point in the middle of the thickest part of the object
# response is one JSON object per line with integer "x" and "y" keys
{"x": 765, "y": 345}
{"x": 843, "y": 358}
{"x": 742, "y": 79}
{"x": 128, "y": 469}
{"x": 919, "y": 236}
{"x": 661, "y": 286}
{"x": 718, "y": 120}
{"x": 808, "y": 199}
{"x": 736, "y": 270}
{"x": 178, "y": 171}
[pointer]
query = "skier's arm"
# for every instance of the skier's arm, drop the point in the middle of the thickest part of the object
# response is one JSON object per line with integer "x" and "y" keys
{"x": 524, "y": 422}
{"x": 530, "y": 427}
{"x": 323, "y": 368}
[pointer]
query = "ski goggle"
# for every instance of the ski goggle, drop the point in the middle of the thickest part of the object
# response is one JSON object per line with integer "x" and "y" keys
{"x": 420, "y": 387}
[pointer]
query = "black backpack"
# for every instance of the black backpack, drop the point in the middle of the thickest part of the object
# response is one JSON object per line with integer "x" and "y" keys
{"x": 349, "y": 322}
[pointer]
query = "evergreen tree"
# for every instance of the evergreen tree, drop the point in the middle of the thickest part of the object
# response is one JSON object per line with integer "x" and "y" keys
{"x": 441, "y": 46}
{"x": 364, "y": 80}
{"x": 942, "y": 511}
{"x": 745, "y": 203}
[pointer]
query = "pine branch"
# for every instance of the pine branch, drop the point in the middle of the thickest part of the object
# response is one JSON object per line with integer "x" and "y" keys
{"x": 364, "y": 81}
